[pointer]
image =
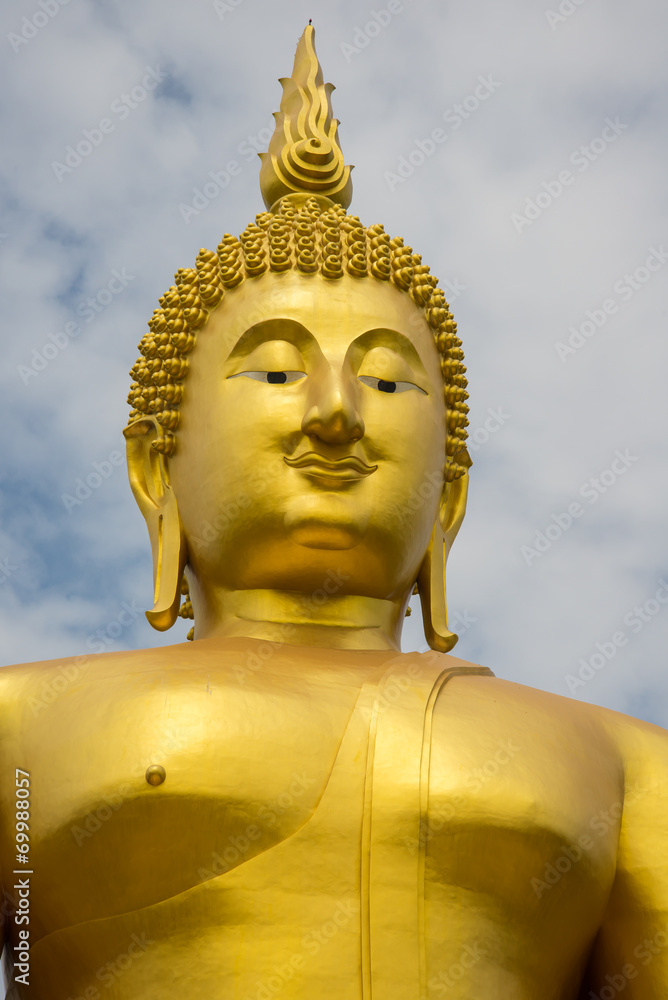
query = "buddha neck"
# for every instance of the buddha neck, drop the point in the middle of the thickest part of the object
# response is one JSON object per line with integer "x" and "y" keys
{"x": 319, "y": 619}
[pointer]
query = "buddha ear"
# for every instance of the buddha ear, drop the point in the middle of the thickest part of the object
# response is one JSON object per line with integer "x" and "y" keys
{"x": 149, "y": 479}
{"x": 452, "y": 508}
{"x": 431, "y": 578}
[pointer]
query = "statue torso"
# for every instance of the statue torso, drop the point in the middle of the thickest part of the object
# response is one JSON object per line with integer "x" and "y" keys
{"x": 242, "y": 875}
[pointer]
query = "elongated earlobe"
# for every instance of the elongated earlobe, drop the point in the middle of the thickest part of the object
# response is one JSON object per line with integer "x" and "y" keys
{"x": 431, "y": 588}
{"x": 431, "y": 578}
{"x": 149, "y": 479}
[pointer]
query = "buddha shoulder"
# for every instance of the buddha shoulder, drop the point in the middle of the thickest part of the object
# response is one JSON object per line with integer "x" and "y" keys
{"x": 500, "y": 725}
{"x": 48, "y": 680}
{"x": 38, "y": 684}
{"x": 228, "y": 683}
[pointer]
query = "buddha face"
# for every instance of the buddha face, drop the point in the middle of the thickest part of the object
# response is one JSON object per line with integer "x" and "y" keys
{"x": 312, "y": 438}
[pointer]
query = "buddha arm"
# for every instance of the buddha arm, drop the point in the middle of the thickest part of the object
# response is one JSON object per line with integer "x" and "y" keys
{"x": 631, "y": 950}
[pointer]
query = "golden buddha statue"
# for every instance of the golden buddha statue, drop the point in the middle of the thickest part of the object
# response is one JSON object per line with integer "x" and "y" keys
{"x": 288, "y": 805}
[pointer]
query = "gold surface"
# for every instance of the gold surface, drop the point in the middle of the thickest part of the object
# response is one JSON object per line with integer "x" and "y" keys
{"x": 289, "y": 806}
{"x": 335, "y": 823}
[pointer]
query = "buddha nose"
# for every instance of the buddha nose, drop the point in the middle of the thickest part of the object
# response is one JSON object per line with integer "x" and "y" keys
{"x": 332, "y": 414}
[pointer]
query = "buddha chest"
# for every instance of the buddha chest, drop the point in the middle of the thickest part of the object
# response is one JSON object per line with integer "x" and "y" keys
{"x": 306, "y": 816}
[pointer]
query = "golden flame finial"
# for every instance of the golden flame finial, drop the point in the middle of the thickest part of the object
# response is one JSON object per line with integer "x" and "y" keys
{"x": 304, "y": 153}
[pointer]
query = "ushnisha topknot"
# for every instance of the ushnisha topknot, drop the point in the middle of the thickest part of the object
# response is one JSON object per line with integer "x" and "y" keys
{"x": 304, "y": 154}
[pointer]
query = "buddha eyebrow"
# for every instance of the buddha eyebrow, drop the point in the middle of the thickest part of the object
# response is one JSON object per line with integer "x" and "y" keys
{"x": 384, "y": 337}
{"x": 276, "y": 328}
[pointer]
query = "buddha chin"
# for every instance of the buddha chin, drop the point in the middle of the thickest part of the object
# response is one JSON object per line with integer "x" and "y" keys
{"x": 319, "y": 523}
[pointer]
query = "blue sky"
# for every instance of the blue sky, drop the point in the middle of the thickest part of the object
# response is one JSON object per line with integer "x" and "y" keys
{"x": 520, "y": 148}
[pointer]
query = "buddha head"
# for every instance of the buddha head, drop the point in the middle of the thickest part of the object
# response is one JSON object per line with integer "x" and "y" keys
{"x": 299, "y": 414}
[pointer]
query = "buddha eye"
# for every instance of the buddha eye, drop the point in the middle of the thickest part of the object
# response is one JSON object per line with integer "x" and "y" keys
{"x": 272, "y": 378}
{"x": 384, "y": 385}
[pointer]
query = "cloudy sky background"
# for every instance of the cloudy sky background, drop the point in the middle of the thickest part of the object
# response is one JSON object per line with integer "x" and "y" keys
{"x": 551, "y": 85}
